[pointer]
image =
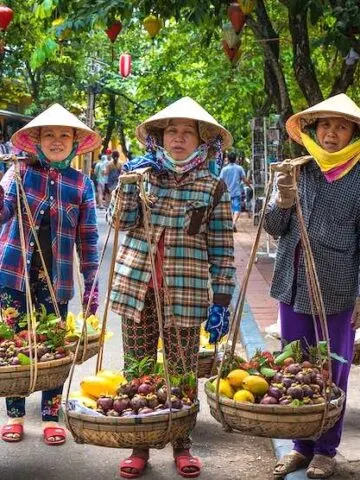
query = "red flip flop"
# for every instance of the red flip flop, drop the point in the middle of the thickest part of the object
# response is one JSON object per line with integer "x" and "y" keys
{"x": 134, "y": 462}
{"x": 15, "y": 428}
{"x": 50, "y": 432}
{"x": 185, "y": 461}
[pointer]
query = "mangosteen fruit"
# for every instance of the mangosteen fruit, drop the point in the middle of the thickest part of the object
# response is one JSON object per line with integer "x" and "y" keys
{"x": 137, "y": 402}
{"x": 121, "y": 403}
{"x": 129, "y": 412}
{"x": 295, "y": 392}
{"x": 112, "y": 413}
{"x": 294, "y": 368}
{"x": 268, "y": 400}
{"x": 145, "y": 411}
{"x": 162, "y": 395}
{"x": 105, "y": 403}
{"x": 145, "y": 388}
{"x": 175, "y": 402}
{"x": 176, "y": 391}
{"x": 152, "y": 400}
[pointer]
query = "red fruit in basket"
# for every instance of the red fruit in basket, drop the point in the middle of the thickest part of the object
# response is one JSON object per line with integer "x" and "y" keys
{"x": 105, "y": 403}
{"x": 137, "y": 402}
{"x": 42, "y": 337}
{"x": 145, "y": 389}
{"x": 121, "y": 403}
{"x": 60, "y": 350}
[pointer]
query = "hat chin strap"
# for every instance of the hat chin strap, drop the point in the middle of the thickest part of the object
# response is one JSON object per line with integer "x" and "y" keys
{"x": 44, "y": 162}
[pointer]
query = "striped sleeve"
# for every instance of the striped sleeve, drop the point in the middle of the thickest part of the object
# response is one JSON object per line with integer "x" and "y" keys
{"x": 124, "y": 207}
{"x": 220, "y": 244}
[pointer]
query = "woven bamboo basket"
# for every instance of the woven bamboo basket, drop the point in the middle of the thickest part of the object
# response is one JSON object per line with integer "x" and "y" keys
{"x": 356, "y": 358}
{"x": 15, "y": 380}
{"x": 205, "y": 364}
{"x": 275, "y": 421}
{"x": 92, "y": 348}
{"x": 131, "y": 432}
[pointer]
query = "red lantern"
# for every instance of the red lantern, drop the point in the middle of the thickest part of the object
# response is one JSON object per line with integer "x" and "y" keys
{"x": 6, "y": 15}
{"x": 236, "y": 17}
{"x": 125, "y": 64}
{"x": 113, "y": 31}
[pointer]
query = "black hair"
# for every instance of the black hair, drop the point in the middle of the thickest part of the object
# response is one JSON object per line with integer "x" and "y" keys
{"x": 231, "y": 157}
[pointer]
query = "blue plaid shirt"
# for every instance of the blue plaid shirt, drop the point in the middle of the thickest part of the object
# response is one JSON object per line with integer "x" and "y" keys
{"x": 70, "y": 197}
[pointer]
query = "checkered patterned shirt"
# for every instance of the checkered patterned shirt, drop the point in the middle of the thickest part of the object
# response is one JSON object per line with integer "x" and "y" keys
{"x": 332, "y": 218}
{"x": 198, "y": 241}
{"x": 69, "y": 195}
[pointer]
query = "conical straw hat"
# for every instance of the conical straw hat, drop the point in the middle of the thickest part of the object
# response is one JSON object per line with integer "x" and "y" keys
{"x": 27, "y": 137}
{"x": 187, "y": 108}
{"x": 338, "y": 106}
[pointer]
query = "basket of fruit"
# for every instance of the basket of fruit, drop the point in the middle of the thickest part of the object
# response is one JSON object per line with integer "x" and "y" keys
{"x": 43, "y": 364}
{"x": 356, "y": 358}
{"x": 132, "y": 411}
{"x": 275, "y": 396}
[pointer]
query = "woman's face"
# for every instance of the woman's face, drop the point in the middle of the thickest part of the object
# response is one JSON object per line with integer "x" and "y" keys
{"x": 56, "y": 142}
{"x": 181, "y": 138}
{"x": 334, "y": 133}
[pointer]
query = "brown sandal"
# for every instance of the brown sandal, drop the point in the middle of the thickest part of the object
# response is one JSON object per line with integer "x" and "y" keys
{"x": 290, "y": 463}
{"x": 321, "y": 466}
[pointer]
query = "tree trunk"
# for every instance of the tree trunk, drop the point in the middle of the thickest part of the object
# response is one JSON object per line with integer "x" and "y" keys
{"x": 345, "y": 79}
{"x": 303, "y": 66}
{"x": 111, "y": 123}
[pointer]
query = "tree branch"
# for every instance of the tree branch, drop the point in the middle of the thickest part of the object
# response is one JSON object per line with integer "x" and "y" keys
{"x": 345, "y": 78}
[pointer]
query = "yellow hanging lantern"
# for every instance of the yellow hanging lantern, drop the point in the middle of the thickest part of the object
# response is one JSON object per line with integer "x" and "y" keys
{"x": 247, "y": 6}
{"x": 152, "y": 25}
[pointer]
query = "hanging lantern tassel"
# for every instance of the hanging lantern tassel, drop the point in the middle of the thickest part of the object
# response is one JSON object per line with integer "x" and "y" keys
{"x": 247, "y": 6}
{"x": 125, "y": 64}
{"x": 113, "y": 31}
{"x": 152, "y": 25}
{"x": 6, "y": 15}
{"x": 233, "y": 53}
{"x": 236, "y": 17}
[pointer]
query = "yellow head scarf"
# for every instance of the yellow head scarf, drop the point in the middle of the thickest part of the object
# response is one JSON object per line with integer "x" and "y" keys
{"x": 334, "y": 165}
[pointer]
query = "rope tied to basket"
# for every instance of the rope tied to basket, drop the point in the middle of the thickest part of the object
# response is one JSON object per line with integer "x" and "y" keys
{"x": 316, "y": 300}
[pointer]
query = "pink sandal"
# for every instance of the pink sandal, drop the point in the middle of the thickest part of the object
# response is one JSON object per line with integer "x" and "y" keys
{"x": 13, "y": 429}
{"x": 50, "y": 432}
{"x": 188, "y": 461}
{"x": 136, "y": 463}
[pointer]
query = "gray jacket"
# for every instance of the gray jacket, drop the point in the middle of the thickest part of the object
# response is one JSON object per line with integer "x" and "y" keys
{"x": 332, "y": 218}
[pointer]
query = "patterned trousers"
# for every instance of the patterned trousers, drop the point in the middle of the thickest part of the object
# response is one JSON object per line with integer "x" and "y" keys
{"x": 13, "y": 309}
{"x": 141, "y": 339}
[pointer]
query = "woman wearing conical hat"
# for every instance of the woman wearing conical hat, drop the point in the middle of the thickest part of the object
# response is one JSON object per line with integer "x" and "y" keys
{"x": 329, "y": 190}
{"x": 191, "y": 226}
{"x": 62, "y": 204}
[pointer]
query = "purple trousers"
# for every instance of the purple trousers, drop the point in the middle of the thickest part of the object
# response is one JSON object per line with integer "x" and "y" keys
{"x": 299, "y": 326}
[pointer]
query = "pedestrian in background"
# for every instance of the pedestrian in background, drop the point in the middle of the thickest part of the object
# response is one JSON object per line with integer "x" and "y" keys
{"x": 114, "y": 169}
{"x": 101, "y": 175}
{"x": 234, "y": 176}
{"x": 329, "y": 191}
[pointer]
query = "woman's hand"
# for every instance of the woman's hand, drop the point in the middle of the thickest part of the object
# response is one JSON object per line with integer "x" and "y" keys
{"x": 286, "y": 193}
{"x": 217, "y": 323}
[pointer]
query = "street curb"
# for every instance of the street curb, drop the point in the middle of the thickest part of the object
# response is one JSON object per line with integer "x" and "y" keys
{"x": 251, "y": 339}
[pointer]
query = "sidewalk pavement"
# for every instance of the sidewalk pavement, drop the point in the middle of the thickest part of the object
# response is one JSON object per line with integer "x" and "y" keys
{"x": 260, "y": 312}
